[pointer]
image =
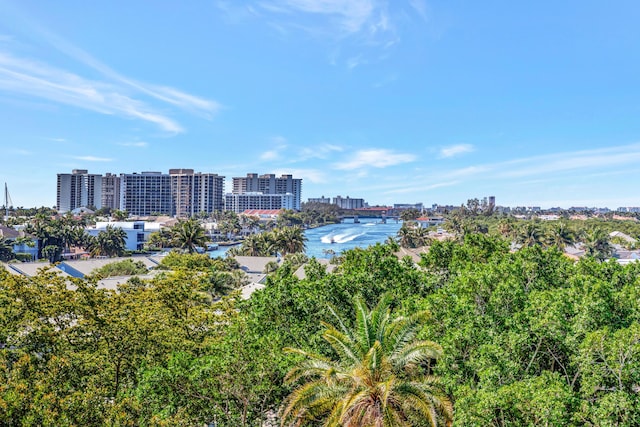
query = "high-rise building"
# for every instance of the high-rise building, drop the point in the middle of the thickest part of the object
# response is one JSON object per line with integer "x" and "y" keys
{"x": 78, "y": 189}
{"x": 269, "y": 184}
{"x": 196, "y": 192}
{"x": 322, "y": 200}
{"x": 181, "y": 193}
{"x": 239, "y": 203}
{"x": 348, "y": 203}
{"x": 110, "y": 191}
{"x": 146, "y": 193}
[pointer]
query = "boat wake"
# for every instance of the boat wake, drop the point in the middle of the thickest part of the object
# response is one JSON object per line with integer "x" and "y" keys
{"x": 340, "y": 237}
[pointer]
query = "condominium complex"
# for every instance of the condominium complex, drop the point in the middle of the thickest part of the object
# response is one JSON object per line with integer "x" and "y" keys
{"x": 78, "y": 189}
{"x": 146, "y": 193}
{"x": 181, "y": 192}
{"x": 341, "y": 202}
{"x": 110, "y": 191}
{"x": 196, "y": 192}
{"x": 348, "y": 203}
{"x": 323, "y": 200}
{"x": 255, "y": 200}
{"x": 269, "y": 184}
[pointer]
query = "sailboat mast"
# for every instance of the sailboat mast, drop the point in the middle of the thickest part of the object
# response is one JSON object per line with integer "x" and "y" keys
{"x": 6, "y": 202}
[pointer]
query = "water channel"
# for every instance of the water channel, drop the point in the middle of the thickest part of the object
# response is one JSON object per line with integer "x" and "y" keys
{"x": 341, "y": 237}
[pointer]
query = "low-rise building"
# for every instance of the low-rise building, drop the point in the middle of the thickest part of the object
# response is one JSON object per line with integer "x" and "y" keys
{"x": 137, "y": 232}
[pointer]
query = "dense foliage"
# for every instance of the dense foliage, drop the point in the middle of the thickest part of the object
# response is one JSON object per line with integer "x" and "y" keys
{"x": 528, "y": 338}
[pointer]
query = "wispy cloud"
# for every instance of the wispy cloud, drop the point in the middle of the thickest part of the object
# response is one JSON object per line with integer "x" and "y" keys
{"x": 93, "y": 159}
{"x": 41, "y": 80}
{"x": 278, "y": 145}
{"x": 139, "y": 144}
{"x": 314, "y": 176}
{"x": 573, "y": 161}
{"x": 114, "y": 94}
{"x": 420, "y": 6}
{"x": 411, "y": 189}
{"x": 550, "y": 166}
{"x": 363, "y": 28}
{"x": 456, "y": 150}
{"x": 377, "y": 158}
{"x": 321, "y": 151}
{"x": 350, "y": 16}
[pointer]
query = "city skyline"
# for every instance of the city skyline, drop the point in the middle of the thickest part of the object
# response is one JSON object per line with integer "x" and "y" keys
{"x": 393, "y": 102}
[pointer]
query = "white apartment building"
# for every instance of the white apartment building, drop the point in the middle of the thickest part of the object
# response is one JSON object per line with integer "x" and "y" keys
{"x": 146, "y": 193}
{"x": 196, "y": 192}
{"x": 137, "y": 232}
{"x": 110, "y": 191}
{"x": 323, "y": 200}
{"x": 181, "y": 193}
{"x": 239, "y": 203}
{"x": 269, "y": 184}
{"x": 78, "y": 189}
{"x": 348, "y": 203}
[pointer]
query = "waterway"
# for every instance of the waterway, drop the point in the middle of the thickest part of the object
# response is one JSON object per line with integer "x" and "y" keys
{"x": 323, "y": 242}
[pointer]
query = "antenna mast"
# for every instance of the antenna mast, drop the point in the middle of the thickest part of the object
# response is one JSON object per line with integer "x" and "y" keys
{"x": 7, "y": 202}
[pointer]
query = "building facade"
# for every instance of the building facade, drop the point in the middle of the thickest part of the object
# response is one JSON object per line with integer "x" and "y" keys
{"x": 239, "y": 203}
{"x": 110, "y": 191}
{"x": 78, "y": 189}
{"x": 137, "y": 232}
{"x": 269, "y": 184}
{"x": 323, "y": 200}
{"x": 193, "y": 193}
{"x": 348, "y": 203}
{"x": 146, "y": 193}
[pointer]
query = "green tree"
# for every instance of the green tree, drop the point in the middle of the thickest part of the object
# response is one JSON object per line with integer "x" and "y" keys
{"x": 596, "y": 243}
{"x": 188, "y": 235}
{"x": 110, "y": 242}
{"x": 289, "y": 240}
{"x": 380, "y": 379}
{"x": 561, "y": 235}
{"x": 6, "y": 249}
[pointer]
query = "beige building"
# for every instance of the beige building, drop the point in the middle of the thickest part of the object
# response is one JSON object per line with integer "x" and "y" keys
{"x": 269, "y": 184}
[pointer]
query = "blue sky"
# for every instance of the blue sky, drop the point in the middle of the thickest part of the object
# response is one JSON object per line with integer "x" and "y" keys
{"x": 397, "y": 101}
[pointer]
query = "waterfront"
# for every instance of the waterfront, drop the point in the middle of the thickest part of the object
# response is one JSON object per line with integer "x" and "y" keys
{"x": 346, "y": 235}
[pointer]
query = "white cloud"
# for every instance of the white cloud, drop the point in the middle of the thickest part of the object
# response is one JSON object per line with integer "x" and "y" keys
{"x": 351, "y": 15}
{"x": 455, "y": 150}
{"x": 115, "y": 94}
{"x": 321, "y": 151}
{"x": 270, "y": 155}
{"x": 420, "y": 6}
{"x": 43, "y": 81}
{"x": 93, "y": 159}
{"x": 377, "y": 158}
{"x": 140, "y": 144}
{"x": 279, "y": 143}
{"x": 314, "y": 176}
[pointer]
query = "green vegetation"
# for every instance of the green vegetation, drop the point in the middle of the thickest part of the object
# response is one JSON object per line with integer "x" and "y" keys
{"x": 529, "y": 337}
{"x": 283, "y": 240}
{"x": 127, "y": 267}
{"x": 379, "y": 378}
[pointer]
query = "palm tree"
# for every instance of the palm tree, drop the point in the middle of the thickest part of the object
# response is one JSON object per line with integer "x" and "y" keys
{"x": 189, "y": 235}
{"x": 529, "y": 234}
{"x": 110, "y": 242}
{"x": 596, "y": 244}
{"x": 160, "y": 239}
{"x": 381, "y": 378}
{"x": 290, "y": 240}
{"x": 561, "y": 235}
{"x": 6, "y": 249}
